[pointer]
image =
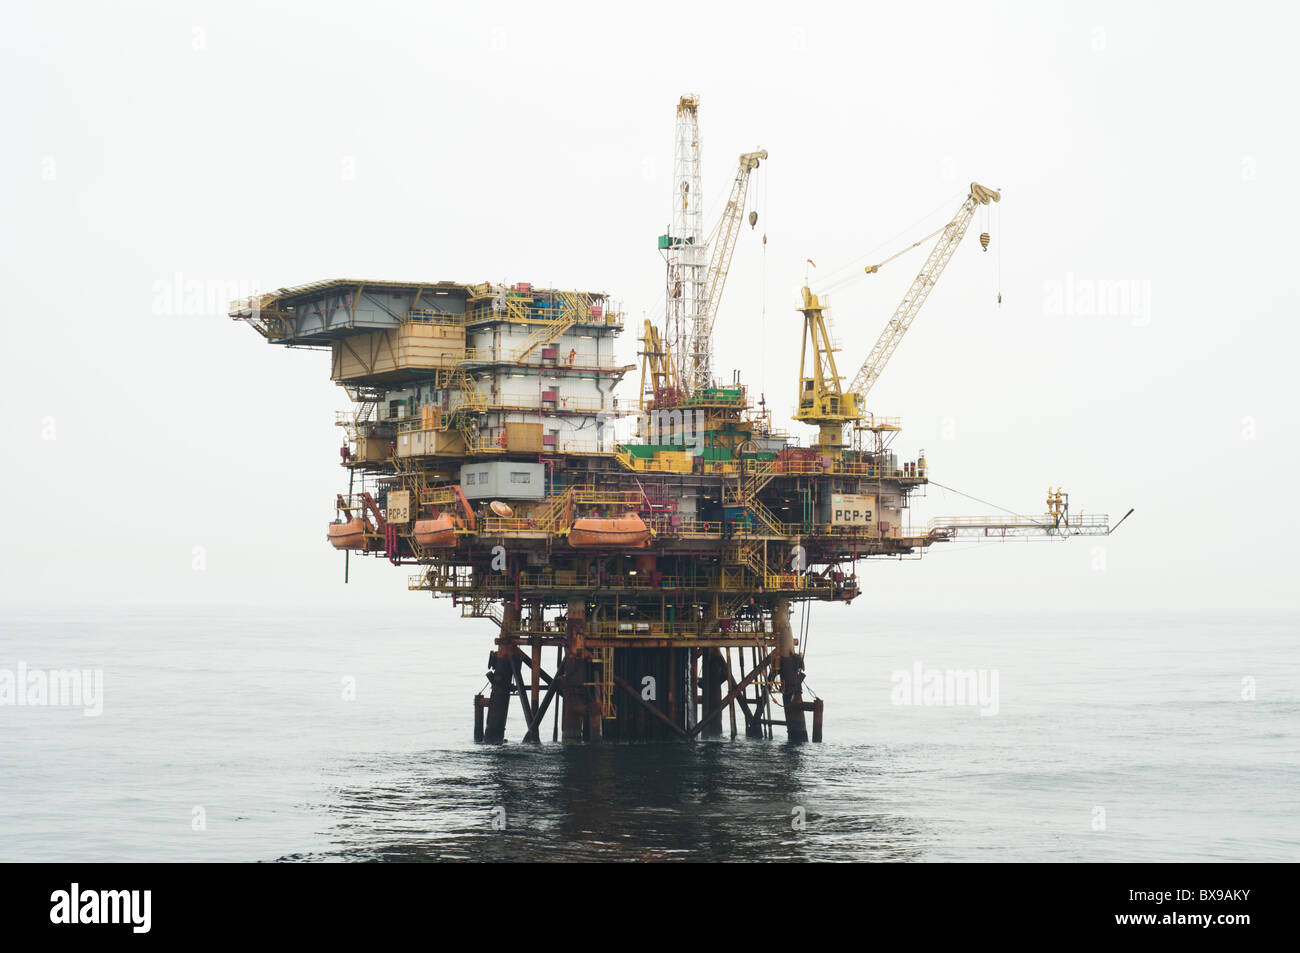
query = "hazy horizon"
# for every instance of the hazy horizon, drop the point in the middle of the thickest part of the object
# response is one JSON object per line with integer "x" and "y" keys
{"x": 159, "y": 453}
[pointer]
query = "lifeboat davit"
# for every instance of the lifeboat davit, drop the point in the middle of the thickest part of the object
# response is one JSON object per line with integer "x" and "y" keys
{"x": 620, "y": 532}
{"x": 439, "y": 531}
{"x": 348, "y": 535}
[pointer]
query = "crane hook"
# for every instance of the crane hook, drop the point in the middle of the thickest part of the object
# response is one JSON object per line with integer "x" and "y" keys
{"x": 984, "y": 240}
{"x": 753, "y": 219}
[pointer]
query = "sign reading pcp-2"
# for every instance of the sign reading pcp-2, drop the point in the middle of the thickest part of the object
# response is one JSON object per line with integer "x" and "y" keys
{"x": 852, "y": 509}
{"x": 399, "y": 507}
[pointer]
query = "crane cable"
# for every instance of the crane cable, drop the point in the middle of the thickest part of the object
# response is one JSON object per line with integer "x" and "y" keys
{"x": 888, "y": 243}
{"x": 998, "y": 215}
{"x": 805, "y": 625}
{"x": 982, "y": 502}
{"x": 762, "y": 326}
{"x": 900, "y": 254}
{"x": 803, "y": 617}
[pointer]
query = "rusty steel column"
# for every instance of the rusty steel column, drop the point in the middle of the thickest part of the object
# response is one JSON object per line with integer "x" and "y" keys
{"x": 753, "y": 723}
{"x": 692, "y": 687}
{"x": 573, "y": 673}
{"x": 731, "y": 706}
{"x": 559, "y": 702}
{"x": 790, "y": 665}
{"x": 574, "y": 715}
{"x": 673, "y": 712}
{"x": 501, "y": 675}
{"x": 595, "y": 715}
{"x": 713, "y": 678}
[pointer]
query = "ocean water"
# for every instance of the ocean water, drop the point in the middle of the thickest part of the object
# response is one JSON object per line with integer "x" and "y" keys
{"x": 226, "y": 735}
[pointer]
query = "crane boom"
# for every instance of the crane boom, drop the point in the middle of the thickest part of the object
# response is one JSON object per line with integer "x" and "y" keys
{"x": 920, "y": 289}
{"x": 722, "y": 245}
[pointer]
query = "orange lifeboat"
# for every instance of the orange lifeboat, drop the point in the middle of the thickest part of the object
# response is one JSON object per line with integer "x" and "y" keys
{"x": 348, "y": 535}
{"x": 439, "y": 531}
{"x": 621, "y": 532}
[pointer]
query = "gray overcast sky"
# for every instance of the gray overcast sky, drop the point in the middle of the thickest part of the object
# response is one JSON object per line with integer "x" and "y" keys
{"x": 240, "y": 146}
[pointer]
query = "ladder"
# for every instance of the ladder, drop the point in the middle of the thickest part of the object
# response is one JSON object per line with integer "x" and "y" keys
{"x": 604, "y": 685}
{"x": 574, "y": 307}
{"x": 766, "y": 518}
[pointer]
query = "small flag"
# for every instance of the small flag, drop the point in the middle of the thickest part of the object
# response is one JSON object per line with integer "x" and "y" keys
{"x": 811, "y": 262}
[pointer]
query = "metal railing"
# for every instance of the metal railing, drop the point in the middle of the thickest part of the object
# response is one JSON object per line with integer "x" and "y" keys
{"x": 576, "y": 446}
{"x": 615, "y": 497}
{"x": 561, "y": 404}
{"x": 650, "y": 465}
{"x": 785, "y": 580}
{"x": 697, "y": 528}
{"x": 726, "y": 580}
{"x": 1090, "y": 524}
{"x": 515, "y": 524}
{"x": 525, "y": 308}
{"x": 497, "y": 355}
{"x": 427, "y": 316}
{"x": 777, "y": 467}
{"x": 879, "y": 422}
{"x": 667, "y": 630}
{"x": 865, "y": 533}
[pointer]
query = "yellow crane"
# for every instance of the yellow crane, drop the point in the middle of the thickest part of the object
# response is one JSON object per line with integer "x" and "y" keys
{"x": 659, "y": 385}
{"x": 822, "y": 401}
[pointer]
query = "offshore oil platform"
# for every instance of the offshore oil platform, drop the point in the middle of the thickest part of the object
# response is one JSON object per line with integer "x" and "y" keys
{"x": 484, "y": 450}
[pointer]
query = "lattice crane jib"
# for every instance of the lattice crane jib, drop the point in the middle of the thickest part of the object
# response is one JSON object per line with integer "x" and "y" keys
{"x": 950, "y": 237}
{"x": 822, "y": 400}
{"x": 722, "y": 248}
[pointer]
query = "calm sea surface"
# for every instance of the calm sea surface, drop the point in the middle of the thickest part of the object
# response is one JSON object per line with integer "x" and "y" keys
{"x": 225, "y": 735}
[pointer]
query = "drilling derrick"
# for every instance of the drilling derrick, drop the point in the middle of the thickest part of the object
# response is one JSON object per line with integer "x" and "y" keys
{"x": 642, "y": 589}
{"x": 697, "y": 266}
{"x": 685, "y": 251}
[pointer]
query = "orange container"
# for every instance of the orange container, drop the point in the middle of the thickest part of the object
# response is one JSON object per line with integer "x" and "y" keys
{"x": 349, "y": 535}
{"x": 439, "y": 531}
{"x": 622, "y": 532}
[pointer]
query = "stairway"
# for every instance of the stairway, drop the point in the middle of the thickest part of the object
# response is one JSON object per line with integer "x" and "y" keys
{"x": 574, "y": 308}
{"x": 759, "y": 478}
{"x": 748, "y": 556}
{"x": 765, "y": 517}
